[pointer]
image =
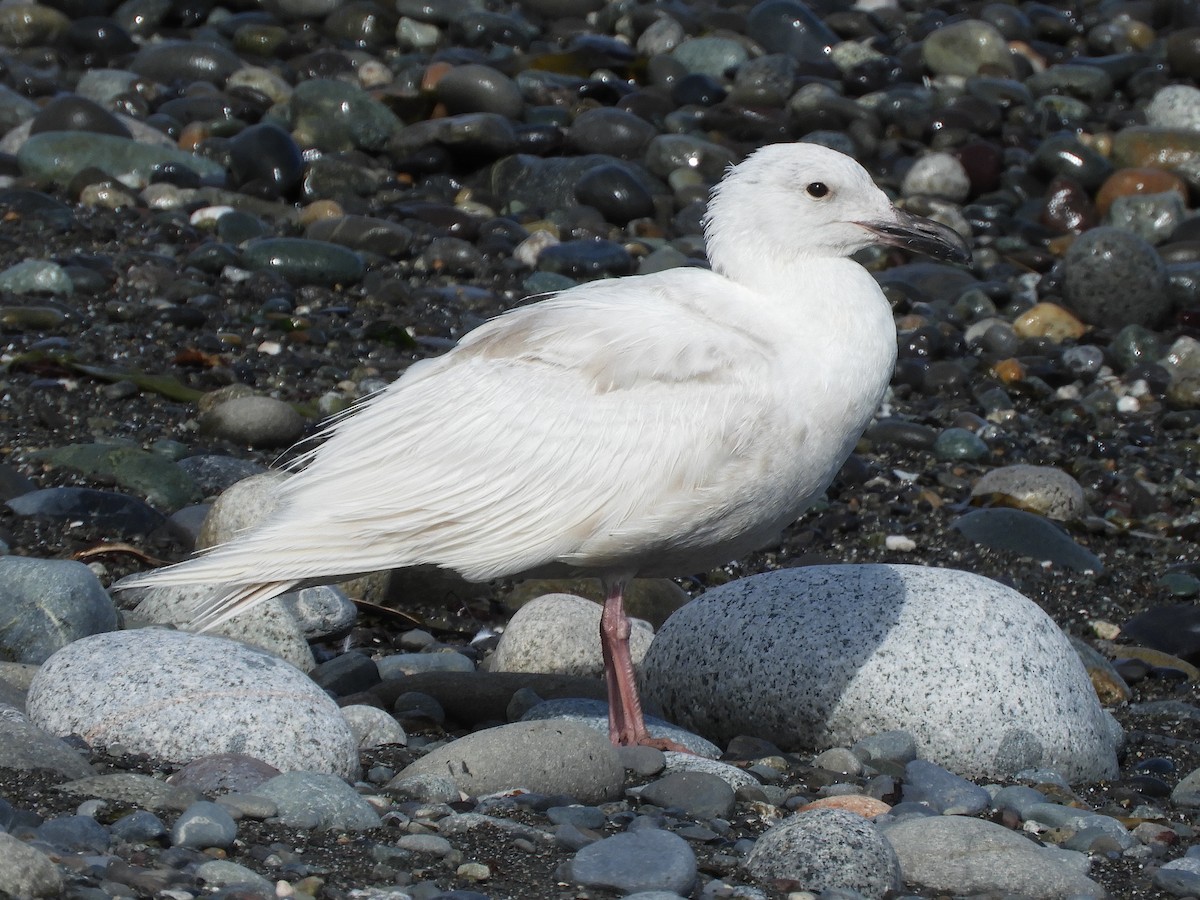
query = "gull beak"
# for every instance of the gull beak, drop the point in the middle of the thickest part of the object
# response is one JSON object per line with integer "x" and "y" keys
{"x": 921, "y": 235}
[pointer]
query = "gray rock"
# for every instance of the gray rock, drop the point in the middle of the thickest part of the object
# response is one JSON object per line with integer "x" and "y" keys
{"x": 822, "y": 656}
{"x": 826, "y": 849}
{"x": 45, "y": 604}
{"x": 424, "y": 788}
{"x": 372, "y": 727}
{"x": 937, "y": 175}
{"x": 893, "y": 746}
{"x": 1112, "y": 277}
{"x": 255, "y": 421}
{"x": 269, "y": 626}
{"x": 690, "y": 762}
{"x": 219, "y": 873}
{"x": 942, "y": 791}
{"x": 1044, "y": 490}
{"x": 1027, "y": 535}
{"x": 26, "y": 871}
{"x": 560, "y": 633}
{"x": 317, "y": 800}
{"x": 179, "y": 696}
{"x": 1175, "y": 106}
{"x": 202, "y": 825}
{"x": 60, "y": 155}
{"x": 321, "y": 611}
{"x": 966, "y": 856}
{"x": 966, "y": 47}
{"x": 1180, "y": 877}
{"x": 134, "y": 790}
{"x": 1152, "y": 217}
{"x": 699, "y": 794}
{"x": 710, "y": 55}
{"x": 475, "y": 88}
{"x": 398, "y": 665}
{"x": 551, "y": 757}
{"x": 648, "y": 860}
{"x": 24, "y": 747}
{"x": 594, "y": 714}
{"x": 140, "y": 826}
{"x": 241, "y": 506}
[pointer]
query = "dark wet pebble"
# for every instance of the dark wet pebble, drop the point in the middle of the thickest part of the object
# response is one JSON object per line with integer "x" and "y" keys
{"x": 72, "y": 113}
{"x": 699, "y": 794}
{"x": 650, "y": 860}
{"x": 304, "y": 261}
{"x": 616, "y": 192}
{"x": 119, "y": 513}
{"x": 265, "y": 161}
{"x": 1027, "y": 535}
{"x": 586, "y": 258}
{"x": 185, "y": 61}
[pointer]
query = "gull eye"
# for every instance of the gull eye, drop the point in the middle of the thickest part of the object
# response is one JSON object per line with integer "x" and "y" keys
{"x": 817, "y": 190}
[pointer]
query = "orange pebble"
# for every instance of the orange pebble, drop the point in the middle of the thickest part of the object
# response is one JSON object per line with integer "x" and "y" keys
{"x": 1126, "y": 182}
{"x": 859, "y": 804}
{"x": 1049, "y": 320}
{"x": 1009, "y": 370}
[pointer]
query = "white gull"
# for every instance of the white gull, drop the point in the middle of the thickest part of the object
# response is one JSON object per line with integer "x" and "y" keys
{"x": 653, "y": 425}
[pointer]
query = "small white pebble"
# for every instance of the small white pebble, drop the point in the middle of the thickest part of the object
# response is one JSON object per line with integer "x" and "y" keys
{"x": 1128, "y": 404}
{"x": 900, "y": 543}
{"x": 1068, "y": 392}
{"x": 270, "y": 348}
{"x": 905, "y": 476}
{"x": 208, "y": 215}
{"x": 1139, "y": 388}
{"x": 528, "y": 251}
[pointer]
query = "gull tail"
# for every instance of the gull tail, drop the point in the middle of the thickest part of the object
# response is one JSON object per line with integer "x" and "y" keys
{"x": 234, "y": 589}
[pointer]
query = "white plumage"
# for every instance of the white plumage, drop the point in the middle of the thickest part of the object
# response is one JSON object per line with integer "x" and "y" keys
{"x": 650, "y": 425}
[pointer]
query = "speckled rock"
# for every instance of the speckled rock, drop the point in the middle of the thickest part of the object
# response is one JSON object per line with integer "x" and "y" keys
{"x": 826, "y": 849}
{"x": 821, "y": 656}
{"x": 178, "y": 696}
{"x": 560, "y": 633}
{"x": 1044, "y": 490}
{"x": 937, "y": 175}
{"x": 1112, "y": 277}
{"x": 45, "y": 604}
{"x": 968, "y": 47}
{"x": 1175, "y": 106}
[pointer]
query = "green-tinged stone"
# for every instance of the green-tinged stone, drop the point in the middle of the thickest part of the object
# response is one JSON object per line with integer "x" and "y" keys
{"x": 334, "y": 116}
{"x": 1162, "y": 148}
{"x": 968, "y": 48}
{"x": 31, "y": 318}
{"x": 1134, "y": 345}
{"x": 36, "y": 276}
{"x": 59, "y": 156}
{"x": 1181, "y": 584}
{"x": 23, "y": 25}
{"x": 959, "y": 443}
{"x": 1027, "y": 535}
{"x": 304, "y": 261}
{"x": 150, "y": 475}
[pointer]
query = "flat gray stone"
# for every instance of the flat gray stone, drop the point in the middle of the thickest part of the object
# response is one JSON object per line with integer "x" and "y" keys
{"x": 23, "y": 746}
{"x": 646, "y": 860}
{"x": 316, "y": 800}
{"x": 134, "y": 790}
{"x": 549, "y": 757}
{"x": 26, "y": 871}
{"x": 826, "y": 849}
{"x": 823, "y": 656}
{"x": 1044, "y": 490}
{"x": 179, "y": 696}
{"x": 966, "y": 856}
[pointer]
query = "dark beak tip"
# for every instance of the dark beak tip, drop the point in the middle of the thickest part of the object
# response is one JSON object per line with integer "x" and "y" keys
{"x": 921, "y": 235}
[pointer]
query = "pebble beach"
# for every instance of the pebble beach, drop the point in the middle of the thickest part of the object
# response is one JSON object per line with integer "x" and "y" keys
{"x": 971, "y": 670}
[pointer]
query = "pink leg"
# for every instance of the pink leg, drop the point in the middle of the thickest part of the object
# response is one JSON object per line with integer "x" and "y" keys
{"x": 626, "y": 725}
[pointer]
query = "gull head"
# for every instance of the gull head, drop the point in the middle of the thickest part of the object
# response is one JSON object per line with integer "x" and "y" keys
{"x": 789, "y": 202}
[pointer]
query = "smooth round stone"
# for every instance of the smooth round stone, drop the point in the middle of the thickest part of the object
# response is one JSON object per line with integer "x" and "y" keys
{"x": 1183, "y": 52}
{"x": 314, "y": 799}
{"x": 822, "y": 656}
{"x": 937, "y": 175}
{"x": 265, "y": 155}
{"x": 322, "y": 611}
{"x": 826, "y": 850}
{"x": 594, "y": 714}
{"x": 400, "y": 664}
{"x": 1175, "y": 106}
{"x": 24, "y": 747}
{"x": 632, "y": 862}
{"x": 372, "y": 727}
{"x": 714, "y": 56}
{"x": 547, "y": 757}
{"x": 110, "y": 510}
{"x": 178, "y": 696}
{"x": 74, "y": 833}
{"x": 203, "y": 825}
{"x": 548, "y": 184}
{"x": 1086, "y": 84}
{"x": 558, "y": 633}
{"x": 699, "y": 794}
{"x": 424, "y": 789}
{"x": 969, "y": 856}
{"x": 1064, "y": 154}
{"x": 139, "y": 827}
{"x": 1147, "y": 146}
{"x": 59, "y": 156}
{"x": 586, "y": 259}
{"x": 1028, "y": 535}
{"x": 968, "y": 47}
{"x": 255, "y": 421}
{"x": 363, "y": 233}
{"x": 213, "y": 474}
{"x": 185, "y": 61}
{"x": 790, "y": 27}
{"x": 959, "y": 443}
{"x": 223, "y": 773}
{"x": 304, "y": 261}
{"x": 268, "y": 626}
{"x": 612, "y": 131}
{"x": 45, "y": 604}
{"x": 1135, "y": 345}
{"x": 1044, "y": 490}
{"x": 1049, "y": 321}
{"x": 334, "y": 116}
{"x": 476, "y": 88}
{"x": 1112, "y": 277}
{"x": 26, "y": 871}
{"x": 241, "y": 506}
{"x": 220, "y": 873}
{"x": 15, "y": 109}
{"x": 944, "y": 792}
{"x": 616, "y": 193}
{"x": 73, "y": 113}
{"x": 36, "y": 275}
{"x": 25, "y": 25}
{"x": 1152, "y": 217}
